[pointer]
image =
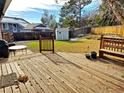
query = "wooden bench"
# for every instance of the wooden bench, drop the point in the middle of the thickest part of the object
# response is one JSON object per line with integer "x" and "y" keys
{"x": 112, "y": 46}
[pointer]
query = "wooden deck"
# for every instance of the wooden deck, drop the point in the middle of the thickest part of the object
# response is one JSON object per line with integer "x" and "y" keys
{"x": 63, "y": 73}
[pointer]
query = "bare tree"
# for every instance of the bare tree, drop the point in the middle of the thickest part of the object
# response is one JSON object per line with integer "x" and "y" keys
{"x": 113, "y": 4}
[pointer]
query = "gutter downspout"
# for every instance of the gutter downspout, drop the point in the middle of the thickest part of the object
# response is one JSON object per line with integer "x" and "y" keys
{"x": 1, "y": 16}
{"x": 0, "y": 29}
{"x": 7, "y": 3}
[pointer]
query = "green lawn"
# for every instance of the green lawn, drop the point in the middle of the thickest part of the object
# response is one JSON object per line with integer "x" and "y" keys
{"x": 80, "y": 46}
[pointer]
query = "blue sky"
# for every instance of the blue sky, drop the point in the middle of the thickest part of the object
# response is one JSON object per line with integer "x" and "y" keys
{"x": 32, "y": 10}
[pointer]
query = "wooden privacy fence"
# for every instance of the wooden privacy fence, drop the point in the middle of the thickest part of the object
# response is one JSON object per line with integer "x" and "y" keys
{"x": 46, "y": 43}
{"x": 109, "y": 30}
{"x": 18, "y": 36}
{"x": 79, "y": 31}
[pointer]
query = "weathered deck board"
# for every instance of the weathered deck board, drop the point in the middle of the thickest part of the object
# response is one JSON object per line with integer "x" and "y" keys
{"x": 34, "y": 83}
{"x": 55, "y": 77}
{"x": 2, "y": 89}
{"x": 22, "y": 86}
{"x": 67, "y": 78}
{"x": 48, "y": 85}
{"x": 70, "y": 73}
{"x": 4, "y": 72}
{"x": 62, "y": 73}
{"x": 15, "y": 88}
{"x": 101, "y": 66}
{"x": 108, "y": 80}
{"x": 46, "y": 80}
{"x": 78, "y": 74}
{"x": 28, "y": 84}
{"x": 36, "y": 76}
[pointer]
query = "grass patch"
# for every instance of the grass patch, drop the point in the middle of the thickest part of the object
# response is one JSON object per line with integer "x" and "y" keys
{"x": 80, "y": 46}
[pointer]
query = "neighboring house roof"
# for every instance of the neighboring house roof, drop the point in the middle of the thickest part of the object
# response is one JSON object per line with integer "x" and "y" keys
{"x": 20, "y": 21}
{"x": 31, "y": 26}
{"x": 40, "y": 25}
{"x": 42, "y": 28}
{"x": 35, "y": 26}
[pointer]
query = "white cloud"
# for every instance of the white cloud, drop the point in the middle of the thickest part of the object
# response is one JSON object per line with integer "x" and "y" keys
{"x": 28, "y": 5}
{"x": 100, "y": 1}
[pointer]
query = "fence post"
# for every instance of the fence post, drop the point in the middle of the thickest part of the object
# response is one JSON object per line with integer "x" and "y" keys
{"x": 40, "y": 43}
{"x": 53, "y": 42}
{"x": 101, "y": 41}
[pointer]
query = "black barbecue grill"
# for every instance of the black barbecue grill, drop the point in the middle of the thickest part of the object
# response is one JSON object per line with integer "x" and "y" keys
{"x": 4, "y": 51}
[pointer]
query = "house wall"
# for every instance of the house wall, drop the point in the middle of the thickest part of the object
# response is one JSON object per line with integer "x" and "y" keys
{"x": 11, "y": 27}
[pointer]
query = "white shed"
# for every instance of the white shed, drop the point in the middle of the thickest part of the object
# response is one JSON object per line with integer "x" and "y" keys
{"x": 62, "y": 34}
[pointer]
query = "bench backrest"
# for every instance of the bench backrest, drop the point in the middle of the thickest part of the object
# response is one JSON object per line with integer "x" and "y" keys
{"x": 113, "y": 44}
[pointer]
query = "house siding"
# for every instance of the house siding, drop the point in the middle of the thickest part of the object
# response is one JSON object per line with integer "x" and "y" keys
{"x": 11, "y": 27}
